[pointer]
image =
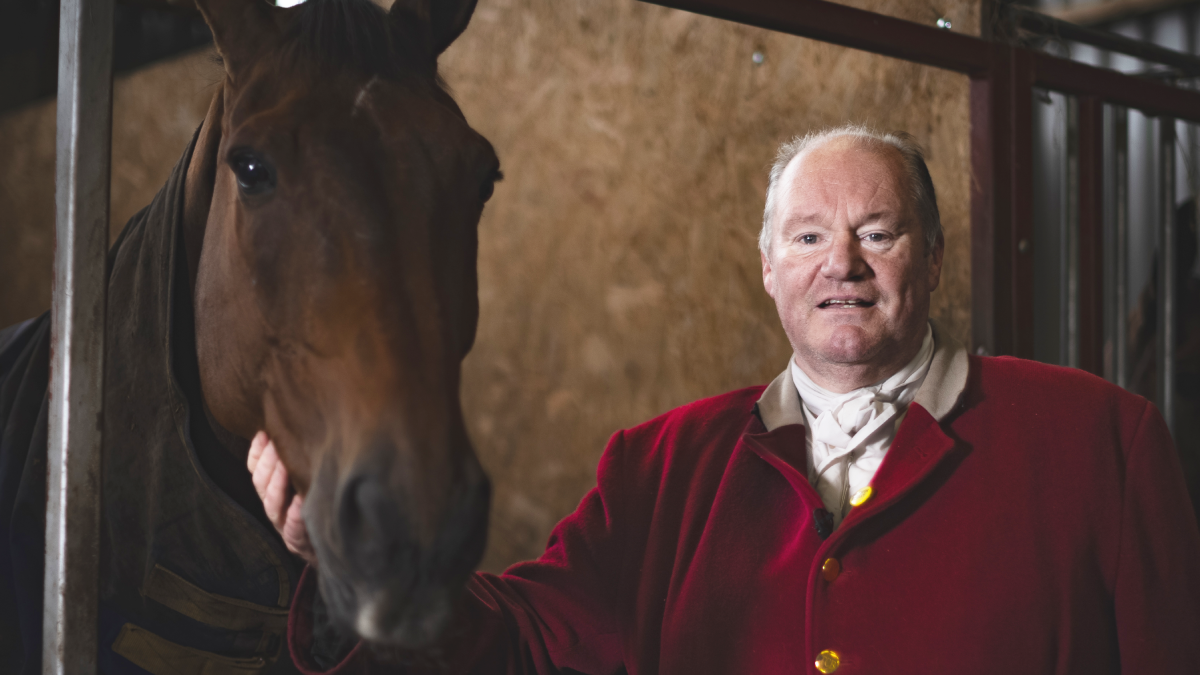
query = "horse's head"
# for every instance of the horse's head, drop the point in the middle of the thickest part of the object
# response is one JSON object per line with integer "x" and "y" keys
{"x": 336, "y": 290}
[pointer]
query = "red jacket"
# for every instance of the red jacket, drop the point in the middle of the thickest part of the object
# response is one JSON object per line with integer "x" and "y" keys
{"x": 1026, "y": 519}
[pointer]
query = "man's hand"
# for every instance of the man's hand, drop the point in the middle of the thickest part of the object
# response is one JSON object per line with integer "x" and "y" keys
{"x": 283, "y": 507}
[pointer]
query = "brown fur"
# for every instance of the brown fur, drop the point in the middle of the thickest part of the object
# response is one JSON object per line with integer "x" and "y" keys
{"x": 333, "y": 309}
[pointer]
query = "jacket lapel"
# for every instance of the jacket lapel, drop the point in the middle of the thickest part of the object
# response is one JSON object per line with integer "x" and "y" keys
{"x": 919, "y": 446}
{"x": 784, "y": 449}
{"x": 779, "y": 439}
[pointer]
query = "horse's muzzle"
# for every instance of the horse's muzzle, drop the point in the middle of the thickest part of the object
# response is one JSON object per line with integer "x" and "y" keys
{"x": 377, "y": 575}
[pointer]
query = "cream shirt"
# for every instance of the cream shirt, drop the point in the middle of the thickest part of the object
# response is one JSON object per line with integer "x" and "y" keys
{"x": 848, "y": 434}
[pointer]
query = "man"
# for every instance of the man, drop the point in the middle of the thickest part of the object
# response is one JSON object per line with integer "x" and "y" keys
{"x": 889, "y": 504}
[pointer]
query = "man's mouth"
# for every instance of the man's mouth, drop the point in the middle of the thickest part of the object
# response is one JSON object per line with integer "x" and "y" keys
{"x": 846, "y": 303}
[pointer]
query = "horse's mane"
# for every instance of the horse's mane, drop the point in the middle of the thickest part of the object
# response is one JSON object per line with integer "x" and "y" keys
{"x": 356, "y": 35}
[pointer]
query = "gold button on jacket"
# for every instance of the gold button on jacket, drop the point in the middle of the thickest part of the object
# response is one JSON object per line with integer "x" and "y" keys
{"x": 828, "y": 661}
{"x": 861, "y": 496}
{"x": 831, "y": 569}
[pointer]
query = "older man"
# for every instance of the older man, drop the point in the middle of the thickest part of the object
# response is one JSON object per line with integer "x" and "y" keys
{"x": 889, "y": 504}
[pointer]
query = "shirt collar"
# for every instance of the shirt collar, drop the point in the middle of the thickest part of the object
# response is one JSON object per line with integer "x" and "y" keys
{"x": 779, "y": 405}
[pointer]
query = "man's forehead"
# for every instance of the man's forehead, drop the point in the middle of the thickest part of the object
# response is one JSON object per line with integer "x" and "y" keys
{"x": 871, "y": 175}
{"x": 844, "y": 157}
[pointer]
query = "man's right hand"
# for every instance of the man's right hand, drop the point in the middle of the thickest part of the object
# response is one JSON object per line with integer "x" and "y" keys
{"x": 283, "y": 506}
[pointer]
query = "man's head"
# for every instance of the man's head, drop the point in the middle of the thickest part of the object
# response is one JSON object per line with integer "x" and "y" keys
{"x": 851, "y": 249}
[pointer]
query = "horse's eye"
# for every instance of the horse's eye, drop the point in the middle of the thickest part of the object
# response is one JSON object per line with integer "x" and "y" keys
{"x": 255, "y": 175}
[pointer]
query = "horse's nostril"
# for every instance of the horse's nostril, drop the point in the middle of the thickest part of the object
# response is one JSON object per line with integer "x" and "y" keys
{"x": 372, "y": 528}
{"x": 350, "y": 512}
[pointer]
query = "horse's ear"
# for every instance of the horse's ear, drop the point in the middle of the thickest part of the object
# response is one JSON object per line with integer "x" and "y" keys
{"x": 446, "y": 19}
{"x": 240, "y": 29}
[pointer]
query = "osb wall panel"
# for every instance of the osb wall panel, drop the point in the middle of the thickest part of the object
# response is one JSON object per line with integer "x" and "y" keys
{"x": 155, "y": 112}
{"x": 618, "y": 270}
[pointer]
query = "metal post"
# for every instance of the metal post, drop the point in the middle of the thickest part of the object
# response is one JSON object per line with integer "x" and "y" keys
{"x": 1068, "y": 252}
{"x": 1166, "y": 270}
{"x": 77, "y": 335}
{"x": 1089, "y": 241}
{"x": 1120, "y": 319}
{"x": 1002, "y": 206}
{"x": 1020, "y": 245}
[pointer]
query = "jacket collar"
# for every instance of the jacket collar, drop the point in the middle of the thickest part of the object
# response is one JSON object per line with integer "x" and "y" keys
{"x": 779, "y": 404}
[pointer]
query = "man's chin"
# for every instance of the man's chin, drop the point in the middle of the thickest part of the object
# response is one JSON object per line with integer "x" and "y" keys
{"x": 848, "y": 345}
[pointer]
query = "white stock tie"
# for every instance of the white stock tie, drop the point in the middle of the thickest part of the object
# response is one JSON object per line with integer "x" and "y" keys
{"x": 849, "y": 433}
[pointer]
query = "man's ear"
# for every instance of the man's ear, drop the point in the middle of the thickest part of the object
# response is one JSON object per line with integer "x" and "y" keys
{"x": 240, "y": 28}
{"x": 442, "y": 20}
{"x": 766, "y": 265}
{"x": 935, "y": 262}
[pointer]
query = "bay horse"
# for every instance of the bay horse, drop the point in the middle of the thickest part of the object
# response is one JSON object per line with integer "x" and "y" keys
{"x": 309, "y": 270}
{"x": 331, "y": 214}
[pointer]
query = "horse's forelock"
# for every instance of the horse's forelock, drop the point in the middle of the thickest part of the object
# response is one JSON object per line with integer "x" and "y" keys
{"x": 357, "y": 35}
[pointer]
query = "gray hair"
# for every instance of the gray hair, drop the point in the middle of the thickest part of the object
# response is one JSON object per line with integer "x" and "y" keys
{"x": 920, "y": 184}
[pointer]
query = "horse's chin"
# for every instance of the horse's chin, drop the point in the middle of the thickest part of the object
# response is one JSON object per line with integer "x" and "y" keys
{"x": 377, "y": 578}
{"x": 402, "y": 618}
{"x": 413, "y": 623}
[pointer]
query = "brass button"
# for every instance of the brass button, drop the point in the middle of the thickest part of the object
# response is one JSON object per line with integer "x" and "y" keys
{"x": 861, "y": 496}
{"x": 828, "y": 661}
{"x": 831, "y": 569}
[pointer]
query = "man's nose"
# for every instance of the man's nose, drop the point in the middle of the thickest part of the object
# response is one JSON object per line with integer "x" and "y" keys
{"x": 844, "y": 260}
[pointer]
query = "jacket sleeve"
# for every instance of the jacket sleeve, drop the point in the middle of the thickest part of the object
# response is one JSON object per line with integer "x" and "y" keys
{"x": 1157, "y": 589}
{"x": 559, "y": 612}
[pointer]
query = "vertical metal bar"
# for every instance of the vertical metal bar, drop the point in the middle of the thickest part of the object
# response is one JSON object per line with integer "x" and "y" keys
{"x": 1020, "y": 243}
{"x": 1166, "y": 270}
{"x": 1068, "y": 263}
{"x": 1002, "y": 205}
{"x": 989, "y": 171}
{"x": 1120, "y": 319}
{"x": 77, "y": 334}
{"x": 1090, "y": 238}
{"x": 1108, "y": 263}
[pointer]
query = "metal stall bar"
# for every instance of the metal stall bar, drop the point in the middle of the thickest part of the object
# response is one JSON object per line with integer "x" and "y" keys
{"x": 1068, "y": 264}
{"x": 1166, "y": 271}
{"x": 1015, "y": 335}
{"x": 1090, "y": 237}
{"x": 1118, "y": 325}
{"x": 77, "y": 336}
{"x": 991, "y": 219}
{"x": 1002, "y": 206}
{"x": 1150, "y": 97}
{"x": 850, "y": 27}
{"x": 1042, "y": 24}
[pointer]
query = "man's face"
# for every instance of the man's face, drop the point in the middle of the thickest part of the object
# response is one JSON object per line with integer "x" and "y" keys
{"x": 848, "y": 267}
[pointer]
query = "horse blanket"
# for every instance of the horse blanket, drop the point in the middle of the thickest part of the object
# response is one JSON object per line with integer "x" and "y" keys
{"x": 192, "y": 577}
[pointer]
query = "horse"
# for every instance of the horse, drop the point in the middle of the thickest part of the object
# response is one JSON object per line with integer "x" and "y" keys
{"x": 324, "y": 290}
{"x": 334, "y": 121}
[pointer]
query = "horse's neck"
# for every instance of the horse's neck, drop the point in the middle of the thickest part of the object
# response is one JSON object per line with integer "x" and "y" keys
{"x": 198, "y": 186}
{"x": 198, "y": 194}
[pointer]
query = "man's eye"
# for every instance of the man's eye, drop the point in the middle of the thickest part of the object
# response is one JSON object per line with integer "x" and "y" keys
{"x": 877, "y": 237}
{"x": 808, "y": 239}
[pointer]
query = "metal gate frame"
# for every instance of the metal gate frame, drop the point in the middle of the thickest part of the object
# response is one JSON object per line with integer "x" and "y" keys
{"x": 1003, "y": 78}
